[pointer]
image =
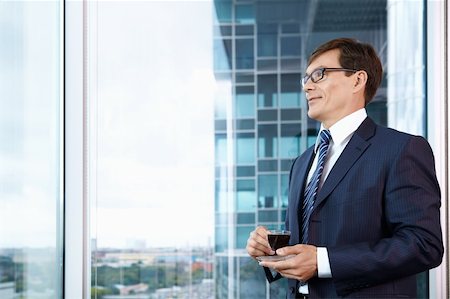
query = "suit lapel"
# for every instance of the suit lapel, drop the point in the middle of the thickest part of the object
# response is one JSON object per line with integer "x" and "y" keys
{"x": 299, "y": 173}
{"x": 354, "y": 149}
{"x": 303, "y": 172}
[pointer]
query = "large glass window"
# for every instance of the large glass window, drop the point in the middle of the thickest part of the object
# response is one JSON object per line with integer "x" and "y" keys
{"x": 290, "y": 95}
{"x": 245, "y": 196}
{"x": 153, "y": 149}
{"x": 267, "y": 40}
{"x": 245, "y": 102}
{"x": 31, "y": 234}
{"x": 291, "y": 46}
{"x": 268, "y": 191}
{"x": 244, "y": 53}
{"x": 194, "y": 114}
{"x": 267, "y": 141}
{"x": 223, "y": 59}
{"x": 267, "y": 90}
{"x": 245, "y": 13}
{"x": 285, "y": 33}
{"x": 245, "y": 151}
{"x": 221, "y": 149}
{"x": 289, "y": 146}
{"x": 195, "y": 119}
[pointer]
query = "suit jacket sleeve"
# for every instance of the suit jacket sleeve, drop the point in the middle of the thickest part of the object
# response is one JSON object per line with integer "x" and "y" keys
{"x": 269, "y": 275}
{"x": 412, "y": 241}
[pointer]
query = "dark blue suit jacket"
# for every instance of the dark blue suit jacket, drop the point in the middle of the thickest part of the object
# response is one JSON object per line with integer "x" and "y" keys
{"x": 377, "y": 214}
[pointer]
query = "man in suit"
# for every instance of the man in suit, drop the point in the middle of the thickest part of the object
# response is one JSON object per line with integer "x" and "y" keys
{"x": 364, "y": 201}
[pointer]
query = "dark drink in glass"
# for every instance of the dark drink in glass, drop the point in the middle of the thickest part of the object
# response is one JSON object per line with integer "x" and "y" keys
{"x": 278, "y": 238}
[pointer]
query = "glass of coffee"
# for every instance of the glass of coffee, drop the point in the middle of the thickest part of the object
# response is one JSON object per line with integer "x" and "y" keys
{"x": 278, "y": 238}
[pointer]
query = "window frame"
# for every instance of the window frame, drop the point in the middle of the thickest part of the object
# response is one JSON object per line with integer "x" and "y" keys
{"x": 438, "y": 13}
{"x": 76, "y": 260}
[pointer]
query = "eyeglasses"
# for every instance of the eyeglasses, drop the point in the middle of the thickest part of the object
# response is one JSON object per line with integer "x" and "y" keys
{"x": 318, "y": 74}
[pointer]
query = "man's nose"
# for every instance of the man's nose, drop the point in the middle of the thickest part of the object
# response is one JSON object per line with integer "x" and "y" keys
{"x": 308, "y": 85}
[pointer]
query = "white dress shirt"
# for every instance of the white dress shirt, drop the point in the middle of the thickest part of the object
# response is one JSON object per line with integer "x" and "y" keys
{"x": 341, "y": 133}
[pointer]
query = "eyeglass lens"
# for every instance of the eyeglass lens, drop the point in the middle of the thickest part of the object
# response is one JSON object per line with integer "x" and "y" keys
{"x": 315, "y": 76}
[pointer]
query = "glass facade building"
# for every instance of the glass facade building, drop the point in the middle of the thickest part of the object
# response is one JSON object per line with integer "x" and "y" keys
{"x": 260, "y": 54}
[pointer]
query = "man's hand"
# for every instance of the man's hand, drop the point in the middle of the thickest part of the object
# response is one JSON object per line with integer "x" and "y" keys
{"x": 302, "y": 267}
{"x": 257, "y": 243}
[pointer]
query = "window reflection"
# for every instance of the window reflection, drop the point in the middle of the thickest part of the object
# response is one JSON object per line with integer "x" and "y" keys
{"x": 289, "y": 146}
{"x": 267, "y": 40}
{"x": 244, "y": 54}
{"x": 290, "y": 91}
{"x": 245, "y": 195}
{"x": 267, "y": 90}
{"x": 245, "y": 13}
{"x": 257, "y": 124}
{"x": 245, "y": 102}
{"x": 242, "y": 235}
{"x": 224, "y": 56}
{"x": 291, "y": 46}
{"x": 158, "y": 174}
{"x": 31, "y": 234}
{"x": 245, "y": 148}
{"x": 267, "y": 193}
{"x": 267, "y": 141}
{"x": 285, "y": 33}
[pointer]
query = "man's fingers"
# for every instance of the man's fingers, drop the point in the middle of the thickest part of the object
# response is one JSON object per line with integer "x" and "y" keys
{"x": 296, "y": 249}
{"x": 255, "y": 248}
{"x": 257, "y": 244}
{"x": 278, "y": 266}
{"x": 290, "y": 268}
{"x": 259, "y": 233}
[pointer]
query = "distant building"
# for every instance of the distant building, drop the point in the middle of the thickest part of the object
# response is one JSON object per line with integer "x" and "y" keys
{"x": 261, "y": 124}
{"x": 132, "y": 289}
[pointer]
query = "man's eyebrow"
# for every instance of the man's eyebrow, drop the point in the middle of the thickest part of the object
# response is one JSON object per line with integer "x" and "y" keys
{"x": 319, "y": 67}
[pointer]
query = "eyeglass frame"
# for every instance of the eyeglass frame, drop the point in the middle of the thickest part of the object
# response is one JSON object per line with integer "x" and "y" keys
{"x": 322, "y": 71}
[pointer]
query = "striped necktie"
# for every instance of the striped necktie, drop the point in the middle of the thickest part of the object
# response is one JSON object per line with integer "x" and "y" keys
{"x": 313, "y": 185}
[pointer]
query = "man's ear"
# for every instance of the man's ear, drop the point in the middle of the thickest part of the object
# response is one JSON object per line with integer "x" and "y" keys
{"x": 359, "y": 81}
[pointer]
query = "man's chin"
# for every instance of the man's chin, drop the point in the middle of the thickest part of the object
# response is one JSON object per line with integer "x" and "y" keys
{"x": 312, "y": 114}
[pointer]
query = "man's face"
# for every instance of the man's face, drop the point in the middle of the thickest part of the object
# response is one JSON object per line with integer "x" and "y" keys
{"x": 329, "y": 99}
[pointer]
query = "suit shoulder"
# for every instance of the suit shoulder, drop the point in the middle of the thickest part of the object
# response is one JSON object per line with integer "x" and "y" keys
{"x": 397, "y": 136}
{"x": 394, "y": 141}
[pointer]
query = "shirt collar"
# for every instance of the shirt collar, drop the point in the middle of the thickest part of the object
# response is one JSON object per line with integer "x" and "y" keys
{"x": 344, "y": 127}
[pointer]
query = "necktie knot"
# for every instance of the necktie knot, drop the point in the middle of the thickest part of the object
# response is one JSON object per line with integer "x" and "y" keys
{"x": 325, "y": 137}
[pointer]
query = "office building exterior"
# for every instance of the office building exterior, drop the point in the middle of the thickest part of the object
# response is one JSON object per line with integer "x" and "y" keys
{"x": 260, "y": 54}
